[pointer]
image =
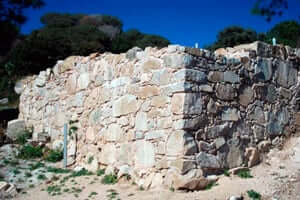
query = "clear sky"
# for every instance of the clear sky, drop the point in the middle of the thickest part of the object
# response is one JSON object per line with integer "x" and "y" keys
{"x": 181, "y": 21}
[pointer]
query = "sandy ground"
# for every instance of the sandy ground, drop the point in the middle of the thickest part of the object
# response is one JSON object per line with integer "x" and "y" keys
{"x": 277, "y": 178}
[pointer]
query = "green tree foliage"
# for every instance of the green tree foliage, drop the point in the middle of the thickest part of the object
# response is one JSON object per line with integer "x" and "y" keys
{"x": 133, "y": 37}
{"x": 234, "y": 35}
{"x": 12, "y": 10}
{"x": 74, "y": 34}
{"x": 11, "y": 17}
{"x": 287, "y": 33}
{"x": 270, "y": 8}
{"x": 41, "y": 49}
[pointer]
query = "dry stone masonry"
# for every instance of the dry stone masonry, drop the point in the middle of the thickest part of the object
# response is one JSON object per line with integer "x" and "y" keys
{"x": 171, "y": 116}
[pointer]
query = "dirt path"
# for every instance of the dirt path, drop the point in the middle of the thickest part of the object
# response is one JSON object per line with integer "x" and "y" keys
{"x": 278, "y": 177}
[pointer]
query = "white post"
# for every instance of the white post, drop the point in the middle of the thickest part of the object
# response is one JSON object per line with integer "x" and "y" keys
{"x": 65, "y": 144}
{"x": 196, "y": 45}
{"x": 274, "y": 41}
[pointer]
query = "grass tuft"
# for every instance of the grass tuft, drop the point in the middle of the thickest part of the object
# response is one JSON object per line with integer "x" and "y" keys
{"x": 109, "y": 179}
{"x": 245, "y": 173}
{"x": 254, "y": 195}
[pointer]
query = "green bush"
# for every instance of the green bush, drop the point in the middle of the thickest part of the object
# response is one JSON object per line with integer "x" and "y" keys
{"x": 22, "y": 138}
{"x": 58, "y": 170}
{"x": 29, "y": 152}
{"x": 36, "y": 165}
{"x": 109, "y": 179}
{"x": 245, "y": 173}
{"x": 254, "y": 195}
{"x": 82, "y": 172}
{"x": 100, "y": 172}
{"x": 54, "y": 156}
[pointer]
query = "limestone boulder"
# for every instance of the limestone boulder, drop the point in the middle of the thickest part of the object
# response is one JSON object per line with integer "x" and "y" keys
{"x": 15, "y": 129}
{"x": 125, "y": 105}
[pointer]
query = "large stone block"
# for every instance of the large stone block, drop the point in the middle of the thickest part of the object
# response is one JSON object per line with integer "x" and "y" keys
{"x": 287, "y": 74}
{"x": 226, "y": 92}
{"x": 180, "y": 143}
{"x": 15, "y": 129}
{"x": 208, "y": 161}
{"x": 177, "y": 60}
{"x": 263, "y": 69}
{"x": 125, "y": 105}
{"x": 144, "y": 155}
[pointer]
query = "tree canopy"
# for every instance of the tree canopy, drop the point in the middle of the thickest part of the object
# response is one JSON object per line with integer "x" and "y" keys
{"x": 64, "y": 35}
{"x": 232, "y": 36}
{"x": 270, "y": 8}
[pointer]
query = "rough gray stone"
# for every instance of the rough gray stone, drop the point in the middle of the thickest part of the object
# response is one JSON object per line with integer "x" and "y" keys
{"x": 131, "y": 53}
{"x": 218, "y": 130}
{"x": 231, "y": 77}
{"x": 246, "y": 96}
{"x": 257, "y": 114}
{"x": 177, "y": 60}
{"x": 190, "y": 75}
{"x": 215, "y": 76}
{"x": 230, "y": 114}
{"x": 205, "y": 160}
{"x": 226, "y": 92}
{"x": 3, "y": 101}
{"x": 263, "y": 69}
{"x": 287, "y": 74}
{"x": 15, "y": 128}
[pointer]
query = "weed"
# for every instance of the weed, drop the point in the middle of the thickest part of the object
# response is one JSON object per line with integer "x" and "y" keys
{"x": 113, "y": 194}
{"x": 29, "y": 152}
{"x": 23, "y": 137}
{"x": 82, "y": 172}
{"x": 28, "y": 174}
{"x": 31, "y": 186}
{"x": 245, "y": 173}
{"x": 16, "y": 171}
{"x": 141, "y": 188}
{"x": 13, "y": 163}
{"x": 41, "y": 177}
{"x": 72, "y": 130}
{"x": 66, "y": 190}
{"x": 90, "y": 160}
{"x": 254, "y": 195}
{"x": 36, "y": 166}
{"x": 100, "y": 172}
{"x": 54, "y": 156}
{"x": 92, "y": 194}
{"x": 131, "y": 194}
{"x": 226, "y": 173}
{"x": 54, "y": 178}
{"x": 58, "y": 170}
{"x": 1, "y": 178}
{"x": 53, "y": 190}
{"x": 109, "y": 179}
{"x": 210, "y": 185}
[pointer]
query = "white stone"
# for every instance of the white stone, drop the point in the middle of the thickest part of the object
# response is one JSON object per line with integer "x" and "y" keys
{"x": 83, "y": 81}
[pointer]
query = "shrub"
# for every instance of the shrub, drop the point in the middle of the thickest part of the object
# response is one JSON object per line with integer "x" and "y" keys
{"x": 36, "y": 166}
{"x": 254, "y": 195}
{"x": 41, "y": 177}
{"x": 100, "y": 172}
{"x": 58, "y": 170}
{"x": 29, "y": 152}
{"x": 245, "y": 173}
{"x": 90, "y": 160}
{"x": 109, "y": 179}
{"x": 54, "y": 156}
{"x": 82, "y": 172}
{"x": 22, "y": 139}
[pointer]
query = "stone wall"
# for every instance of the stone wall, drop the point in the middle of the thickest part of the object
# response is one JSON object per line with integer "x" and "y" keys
{"x": 170, "y": 115}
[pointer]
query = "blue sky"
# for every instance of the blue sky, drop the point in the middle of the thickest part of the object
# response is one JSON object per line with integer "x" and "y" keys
{"x": 183, "y": 22}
